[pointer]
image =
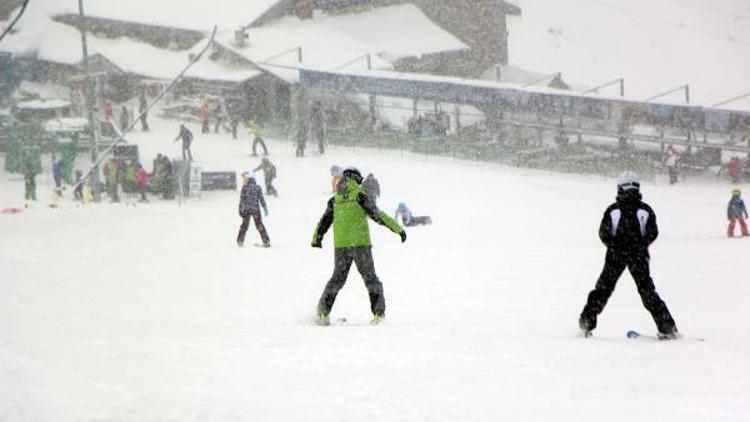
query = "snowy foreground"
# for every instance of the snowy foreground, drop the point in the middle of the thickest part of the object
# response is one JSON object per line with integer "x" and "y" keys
{"x": 152, "y": 313}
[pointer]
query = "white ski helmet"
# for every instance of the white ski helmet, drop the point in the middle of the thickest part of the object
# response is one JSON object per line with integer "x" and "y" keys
{"x": 628, "y": 180}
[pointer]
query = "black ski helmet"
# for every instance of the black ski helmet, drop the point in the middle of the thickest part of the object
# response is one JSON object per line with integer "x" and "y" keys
{"x": 354, "y": 174}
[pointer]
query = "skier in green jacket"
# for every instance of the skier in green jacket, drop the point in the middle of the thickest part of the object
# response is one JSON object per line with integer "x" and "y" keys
{"x": 347, "y": 211}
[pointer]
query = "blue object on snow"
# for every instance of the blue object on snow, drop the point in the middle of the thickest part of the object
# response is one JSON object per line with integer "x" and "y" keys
{"x": 633, "y": 334}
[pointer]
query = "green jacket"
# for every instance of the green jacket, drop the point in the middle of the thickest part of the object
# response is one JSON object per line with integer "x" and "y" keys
{"x": 347, "y": 211}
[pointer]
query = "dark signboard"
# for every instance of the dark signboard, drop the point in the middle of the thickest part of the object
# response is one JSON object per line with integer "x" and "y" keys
{"x": 218, "y": 180}
{"x": 126, "y": 152}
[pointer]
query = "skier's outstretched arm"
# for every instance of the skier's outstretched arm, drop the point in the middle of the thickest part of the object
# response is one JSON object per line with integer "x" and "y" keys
{"x": 379, "y": 216}
{"x": 323, "y": 225}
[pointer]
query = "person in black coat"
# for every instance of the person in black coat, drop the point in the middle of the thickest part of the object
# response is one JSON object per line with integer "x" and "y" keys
{"x": 187, "y": 138}
{"x": 627, "y": 229}
{"x": 142, "y": 110}
{"x": 251, "y": 200}
{"x": 371, "y": 187}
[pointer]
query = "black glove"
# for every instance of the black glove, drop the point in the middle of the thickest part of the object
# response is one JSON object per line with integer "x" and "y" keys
{"x": 241, "y": 213}
{"x": 403, "y": 236}
{"x": 317, "y": 244}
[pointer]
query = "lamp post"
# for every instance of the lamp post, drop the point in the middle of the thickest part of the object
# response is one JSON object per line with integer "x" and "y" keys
{"x": 89, "y": 104}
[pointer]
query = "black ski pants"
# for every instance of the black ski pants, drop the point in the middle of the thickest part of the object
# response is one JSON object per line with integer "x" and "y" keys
{"x": 255, "y": 215}
{"x": 637, "y": 262}
{"x": 258, "y": 140}
{"x": 343, "y": 258}
{"x": 270, "y": 190}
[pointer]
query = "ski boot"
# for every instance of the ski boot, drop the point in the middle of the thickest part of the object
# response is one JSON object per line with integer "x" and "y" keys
{"x": 324, "y": 320}
{"x": 585, "y": 326}
{"x": 669, "y": 335}
{"x": 377, "y": 318}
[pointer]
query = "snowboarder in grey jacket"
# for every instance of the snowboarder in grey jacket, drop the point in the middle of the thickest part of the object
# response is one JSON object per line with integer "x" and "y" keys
{"x": 251, "y": 200}
{"x": 627, "y": 229}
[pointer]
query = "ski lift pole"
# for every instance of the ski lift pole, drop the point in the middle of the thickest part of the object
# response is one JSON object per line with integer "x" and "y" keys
{"x": 127, "y": 130}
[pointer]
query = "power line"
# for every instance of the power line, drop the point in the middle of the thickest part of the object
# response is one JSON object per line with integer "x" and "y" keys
{"x": 700, "y": 6}
{"x": 7, "y": 30}
{"x": 668, "y": 22}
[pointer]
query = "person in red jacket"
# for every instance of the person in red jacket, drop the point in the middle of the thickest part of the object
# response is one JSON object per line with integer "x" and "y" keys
{"x": 204, "y": 115}
{"x": 141, "y": 180}
{"x": 733, "y": 169}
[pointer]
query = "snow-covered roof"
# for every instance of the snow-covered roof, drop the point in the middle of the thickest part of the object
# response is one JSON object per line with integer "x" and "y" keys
{"x": 58, "y": 43}
{"x": 43, "y": 104}
{"x": 328, "y": 42}
{"x": 195, "y": 15}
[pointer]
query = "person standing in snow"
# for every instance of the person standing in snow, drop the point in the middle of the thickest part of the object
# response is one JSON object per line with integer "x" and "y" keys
{"x": 142, "y": 108}
{"x": 78, "y": 192}
{"x": 111, "y": 172}
{"x": 317, "y": 121}
{"x": 627, "y": 229}
{"x": 736, "y": 213}
{"x": 205, "y": 116}
{"x": 408, "y": 218}
{"x": 371, "y": 188}
{"x": 251, "y": 200}
{"x": 671, "y": 155}
{"x": 124, "y": 118}
{"x": 219, "y": 114}
{"x": 141, "y": 180}
{"x": 109, "y": 114}
{"x": 187, "y": 138}
{"x": 269, "y": 173}
{"x": 57, "y": 173}
{"x": 29, "y": 179}
{"x": 347, "y": 212}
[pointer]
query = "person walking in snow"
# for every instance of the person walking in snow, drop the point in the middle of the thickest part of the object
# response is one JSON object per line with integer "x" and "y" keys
{"x": 269, "y": 173}
{"x": 627, "y": 229}
{"x": 142, "y": 108}
{"x": 187, "y": 138}
{"x": 347, "y": 212}
{"x": 408, "y": 218}
{"x": 251, "y": 200}
{"x": 736, "y": 213}
{"x": 671, "y": 155}
{"x": 371, "y": 188}
{"x": 256, "y": 131}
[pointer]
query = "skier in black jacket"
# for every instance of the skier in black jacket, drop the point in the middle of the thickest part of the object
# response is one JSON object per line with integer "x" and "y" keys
{"x": 627, "y": 229}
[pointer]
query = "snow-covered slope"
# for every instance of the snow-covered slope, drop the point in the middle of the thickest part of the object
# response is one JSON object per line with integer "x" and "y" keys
{"x": 655, "y": 45}
{"x": 152, "y": 312}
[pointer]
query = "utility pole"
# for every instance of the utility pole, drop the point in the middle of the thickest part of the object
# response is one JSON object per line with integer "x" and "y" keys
{"x": 89, "y": 104}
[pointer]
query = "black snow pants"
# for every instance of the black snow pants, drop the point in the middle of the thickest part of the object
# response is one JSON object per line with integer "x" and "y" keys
{"x": 637, "y": 262}
{"x": 362, "y": 256}
{"x": 255, "y": 215}
{"x": 258, "y": 140}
